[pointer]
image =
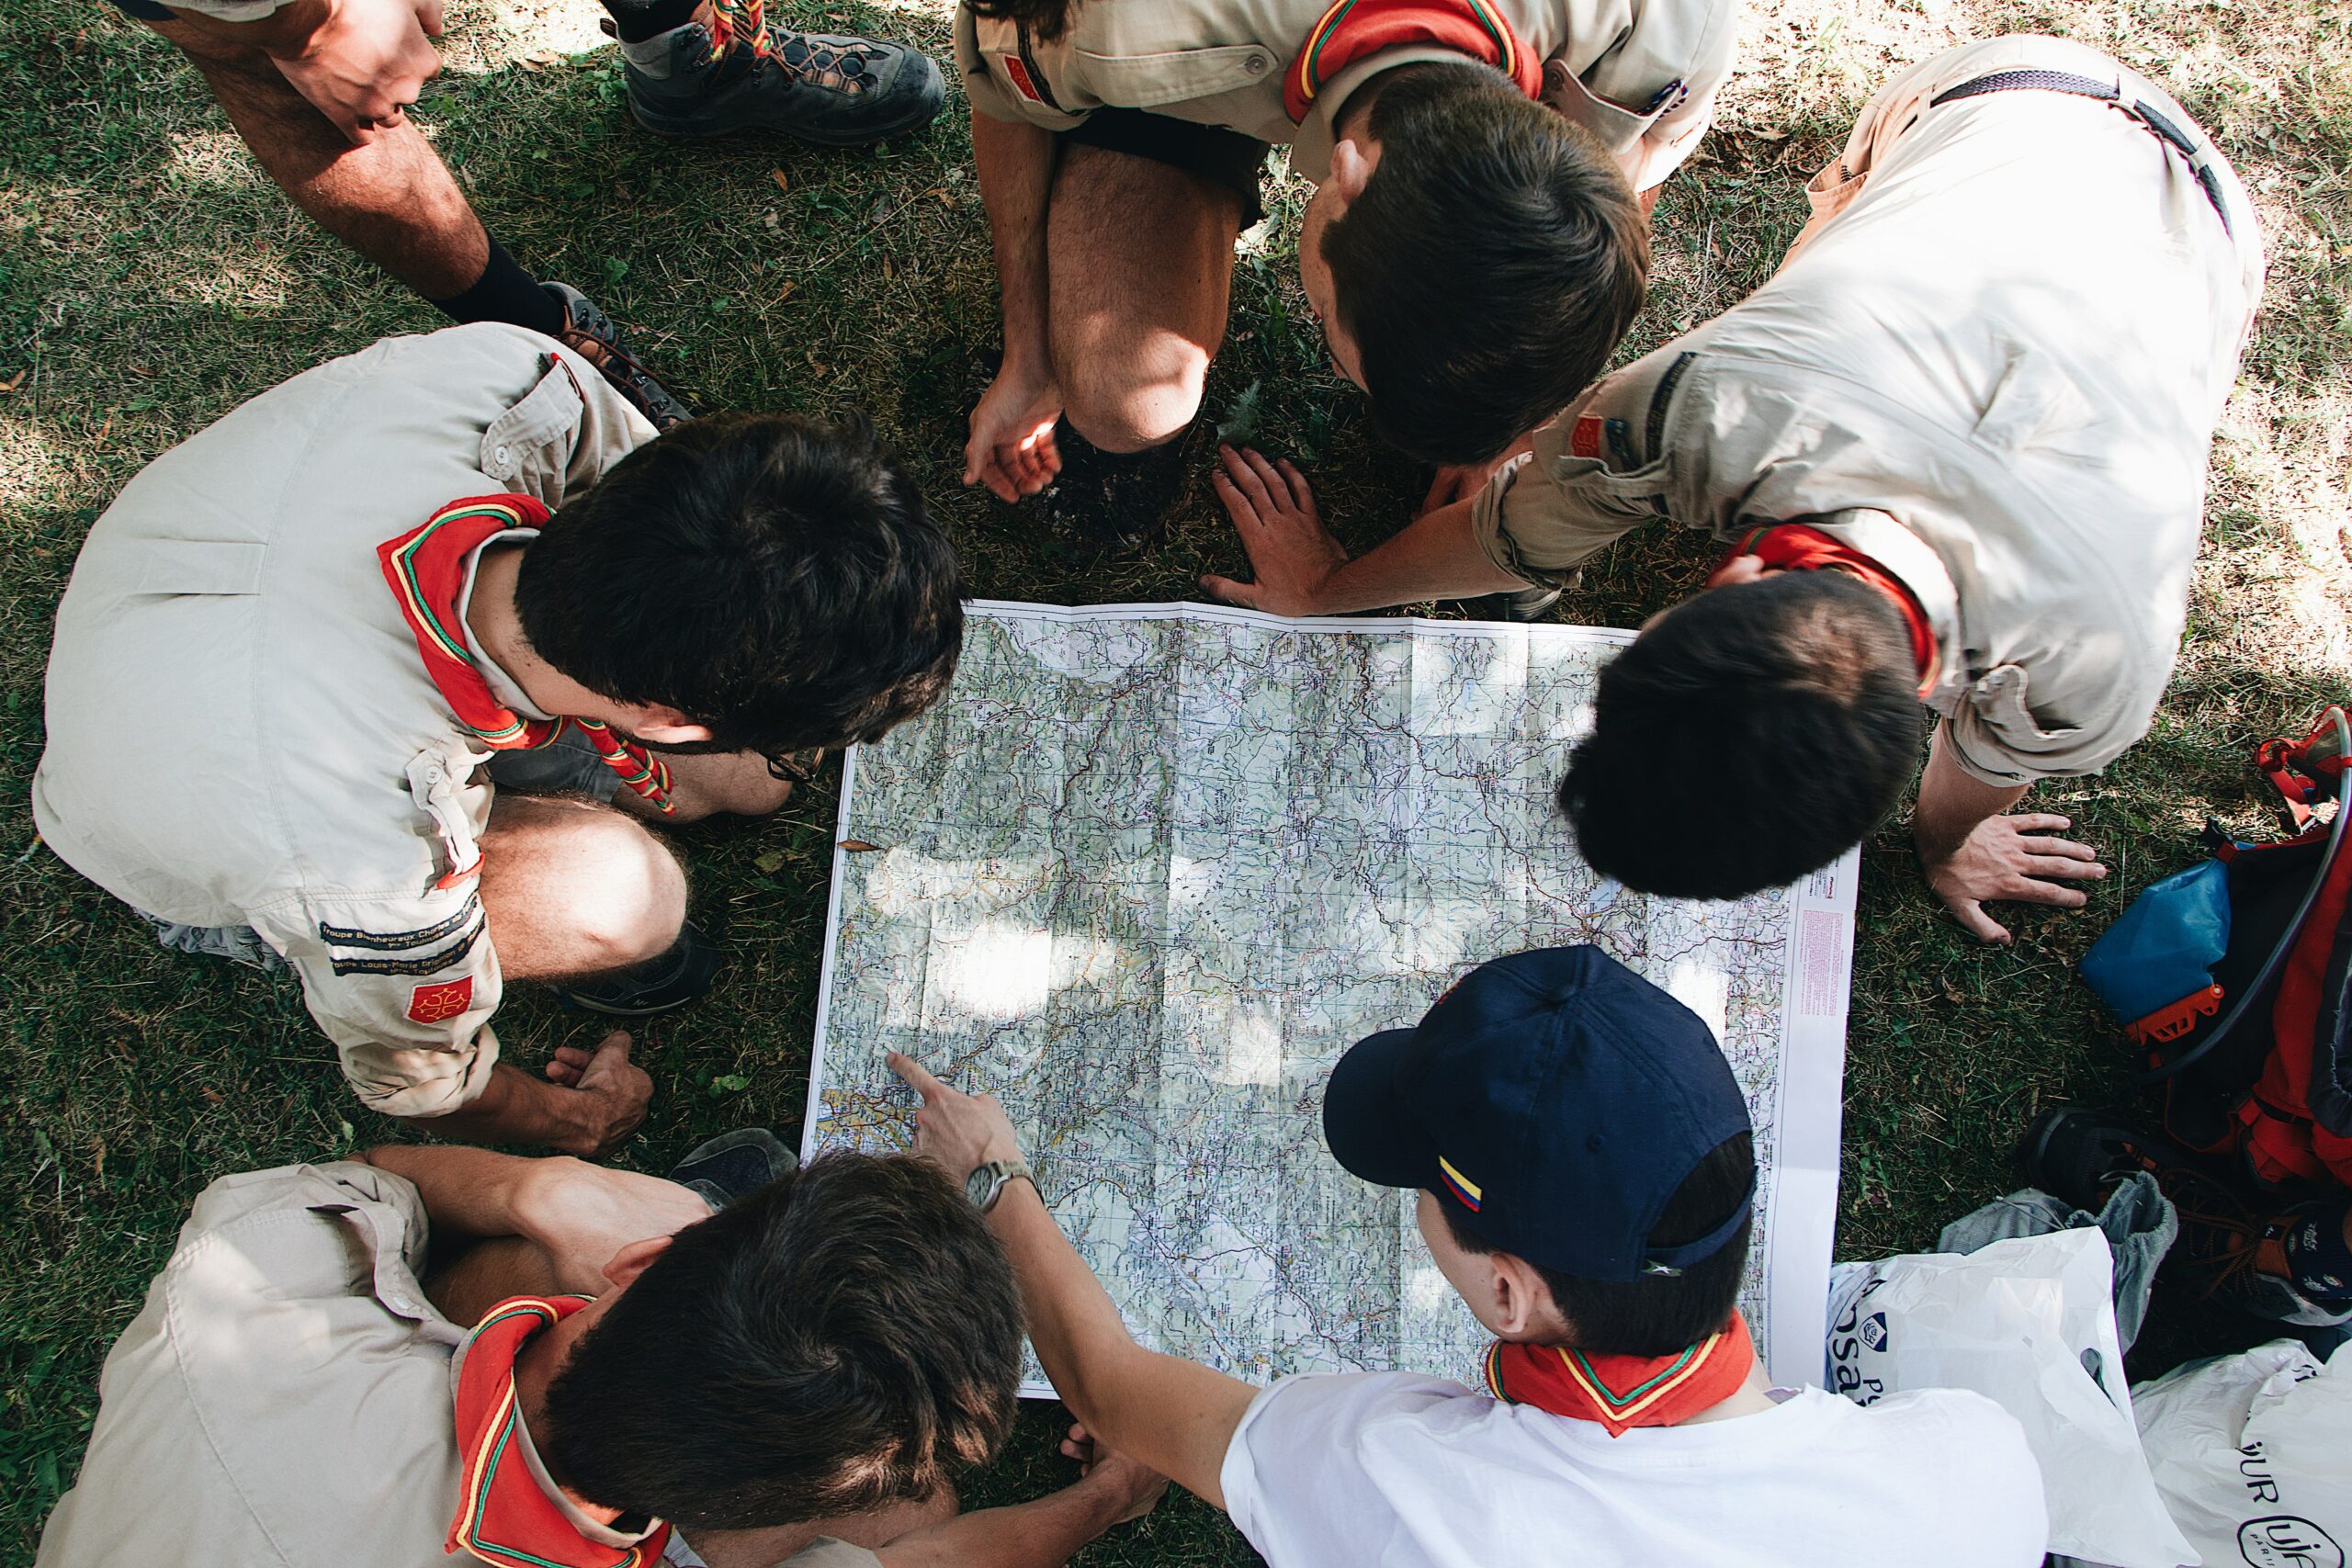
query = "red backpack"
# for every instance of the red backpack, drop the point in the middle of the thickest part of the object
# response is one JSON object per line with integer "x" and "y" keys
{"x": 2254, "y": 950}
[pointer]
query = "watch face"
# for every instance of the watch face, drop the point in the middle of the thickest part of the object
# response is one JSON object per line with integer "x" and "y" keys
{"x": 980, "y": 1183}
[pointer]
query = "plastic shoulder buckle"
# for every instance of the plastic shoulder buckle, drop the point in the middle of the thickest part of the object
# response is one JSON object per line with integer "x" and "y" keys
{"x": 2169, "y": 1023}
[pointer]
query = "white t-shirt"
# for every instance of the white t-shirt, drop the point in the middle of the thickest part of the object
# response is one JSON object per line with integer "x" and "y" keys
{"x": 1393, "y": 1469}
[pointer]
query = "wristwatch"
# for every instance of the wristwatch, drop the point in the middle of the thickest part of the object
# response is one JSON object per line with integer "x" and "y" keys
{"x": 987, "y": 1184}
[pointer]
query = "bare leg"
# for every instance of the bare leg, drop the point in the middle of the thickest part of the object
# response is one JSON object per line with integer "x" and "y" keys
{"x": 392, "y": 200}
{"x": 1140, "y": 260}
{"x": 572, "y": 888}
{"x": 761, "y": 1548}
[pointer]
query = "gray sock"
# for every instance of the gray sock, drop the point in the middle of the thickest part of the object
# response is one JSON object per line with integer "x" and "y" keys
{"x": 651, "y": 56}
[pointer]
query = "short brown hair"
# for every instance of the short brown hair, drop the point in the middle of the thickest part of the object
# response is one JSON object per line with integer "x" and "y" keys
{"x": 842, "y": 1339}
{"x": 1489, "y": 267}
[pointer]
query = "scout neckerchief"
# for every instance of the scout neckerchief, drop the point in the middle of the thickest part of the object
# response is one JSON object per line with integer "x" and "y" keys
{"x": 1623, "y": 1392}
{"x": 504, "y": 1516}
{"x": 1352, "y": 30}
{"x": 1792, "y": 547}
{"x": 733, "y": 20}
{"x": 426, "y": 568}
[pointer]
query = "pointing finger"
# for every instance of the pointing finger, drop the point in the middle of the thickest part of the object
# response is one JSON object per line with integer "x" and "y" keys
{"x": 917, "y": 1076}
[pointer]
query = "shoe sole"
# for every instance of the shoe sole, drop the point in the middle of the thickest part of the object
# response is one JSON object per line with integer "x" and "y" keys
{"x": 607, "y": 1009}
{"x": 685, "y": 131}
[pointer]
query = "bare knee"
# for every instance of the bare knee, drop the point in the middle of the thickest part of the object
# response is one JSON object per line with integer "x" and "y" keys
{"x": 572, "y": 887}
{"x": 1126, "y": 396}
{"x": 627, "y": 900}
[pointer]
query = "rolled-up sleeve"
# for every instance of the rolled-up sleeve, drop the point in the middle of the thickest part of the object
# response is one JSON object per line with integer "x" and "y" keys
{"x": 1529, "y": 524}
{"x": 2001, "y": 735}
{"x": 404, "y": 990}
{"x": 979, "y": 85}
{"x": 1707, "y": 44}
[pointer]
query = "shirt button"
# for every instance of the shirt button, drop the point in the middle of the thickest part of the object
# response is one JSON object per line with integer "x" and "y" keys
{"x": 499, "y": 454}
{"x": 1255, "y": 64}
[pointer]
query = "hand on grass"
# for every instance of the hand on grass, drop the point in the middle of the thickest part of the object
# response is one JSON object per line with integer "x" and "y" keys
{"x": 2011, "y": 858}
{"x": 1292, "y": 554}
{"x": 1011, "y": 447}
{"x": 364, "y": 62}
{"x": 958, "y": 1132}
{"x": 614, "y": 1093}
{"x": 1131, "y": 1489}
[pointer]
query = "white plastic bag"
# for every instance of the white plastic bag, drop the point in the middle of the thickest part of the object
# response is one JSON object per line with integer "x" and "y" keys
{"x": 2253, "y": 1453}
{"x": 2030, "y": 1324}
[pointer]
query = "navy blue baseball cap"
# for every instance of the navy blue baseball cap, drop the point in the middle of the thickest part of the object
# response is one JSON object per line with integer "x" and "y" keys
{"x": 1560, "y": 1100}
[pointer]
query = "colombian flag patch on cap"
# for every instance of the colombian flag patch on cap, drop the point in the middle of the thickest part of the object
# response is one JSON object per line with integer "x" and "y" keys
{"x": 1468, "y": 1193}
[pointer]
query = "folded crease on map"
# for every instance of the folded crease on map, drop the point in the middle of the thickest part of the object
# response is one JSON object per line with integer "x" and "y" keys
{"x": 1150, "y": 869}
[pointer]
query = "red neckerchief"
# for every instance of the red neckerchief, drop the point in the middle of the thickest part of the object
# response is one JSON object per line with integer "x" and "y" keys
{"x": 426, "y": 567}
{"x": 504, "y": 1516}
{"x": 1623, "y": 1392}
{"x": 1793, "y": 546}
{"x": 1352, "y": 30}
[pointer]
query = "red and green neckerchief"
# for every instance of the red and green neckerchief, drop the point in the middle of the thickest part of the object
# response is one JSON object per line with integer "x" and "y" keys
{"x": 1623, "y": 1392}
{"x": 732, "y": 19}
{"x": 1352, "y": 30}
{"x": 504, "y": 1516}
{"x": 1794, "y": 546}
{"x": 426, "y": 568}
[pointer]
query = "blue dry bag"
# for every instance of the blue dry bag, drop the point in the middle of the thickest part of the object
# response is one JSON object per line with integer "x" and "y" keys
{"x": 2159, "y": 958}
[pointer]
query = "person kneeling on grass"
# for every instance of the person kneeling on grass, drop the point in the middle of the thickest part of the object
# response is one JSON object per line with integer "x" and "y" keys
{"x": 608, "y": 1365}
{"x": 1586, "y": 1174}
{"x": 1476, "y": 244}
{"x": 1957, "y": 446}
{"x": 381, "y": 677}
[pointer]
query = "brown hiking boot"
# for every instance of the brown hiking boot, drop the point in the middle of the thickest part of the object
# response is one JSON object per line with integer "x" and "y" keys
{"x": 592, "y": 334}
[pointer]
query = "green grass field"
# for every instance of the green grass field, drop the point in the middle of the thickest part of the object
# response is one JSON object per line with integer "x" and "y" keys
{"x": 150, "y": 278}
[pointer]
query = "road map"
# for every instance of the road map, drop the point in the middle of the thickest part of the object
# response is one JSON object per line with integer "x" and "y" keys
{"x": 1150, "y": 869}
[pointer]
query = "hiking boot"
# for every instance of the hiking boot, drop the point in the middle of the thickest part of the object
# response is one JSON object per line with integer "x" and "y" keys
{"x": 2076, "y": 1155}
{"x": 829, "y": 88}
{"x": 733, "y": 1166}
{"x": 1118, "y": 503}
{"x": 1522, "y": 604}
{"x": 590, "y": 333}
{"x": 659, "y": 985}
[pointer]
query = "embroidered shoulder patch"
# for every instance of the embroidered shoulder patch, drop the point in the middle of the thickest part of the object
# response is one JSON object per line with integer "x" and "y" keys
{"x": 1016, "y": 70}
{"x": 438, "y": 1004}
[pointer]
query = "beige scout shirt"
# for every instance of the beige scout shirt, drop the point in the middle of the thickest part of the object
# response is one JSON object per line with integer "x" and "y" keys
{"x": 1640, "y": 74}
{"x": 1994, "y": 362}
{"x": 285, "y": 1397}
{"x": 240, "y": 730}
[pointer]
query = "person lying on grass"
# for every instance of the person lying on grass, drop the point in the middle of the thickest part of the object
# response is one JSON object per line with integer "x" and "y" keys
{"x": 1585, "y": 1175}
{"x": 599, "y": 1364}
{"x": 1957, "y": 449}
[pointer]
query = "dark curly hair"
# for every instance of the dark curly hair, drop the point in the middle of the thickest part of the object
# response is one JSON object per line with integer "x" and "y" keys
{"x": 776, "y": 578}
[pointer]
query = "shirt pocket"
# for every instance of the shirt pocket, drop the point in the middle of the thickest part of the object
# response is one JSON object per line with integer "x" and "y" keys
{"x": 1619, "y": 129}
{"x": 528, "y": 448}
{"x": 1146, "y": 81}
{"x": 219, "y": 566}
